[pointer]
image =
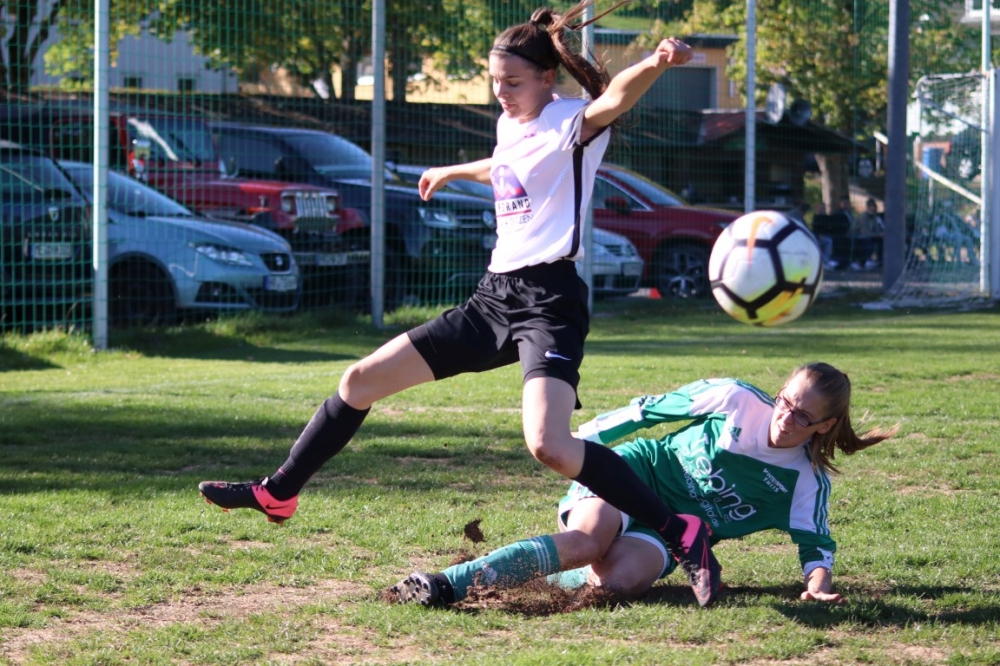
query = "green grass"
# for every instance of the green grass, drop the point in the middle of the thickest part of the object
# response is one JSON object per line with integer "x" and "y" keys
{"x": 108, "y": 555}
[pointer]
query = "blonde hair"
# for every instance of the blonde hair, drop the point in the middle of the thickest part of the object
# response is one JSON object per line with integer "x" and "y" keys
{"x": 834, "y": 388}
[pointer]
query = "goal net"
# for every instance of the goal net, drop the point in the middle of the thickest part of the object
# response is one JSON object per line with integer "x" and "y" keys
{"x": 944, "y": 263}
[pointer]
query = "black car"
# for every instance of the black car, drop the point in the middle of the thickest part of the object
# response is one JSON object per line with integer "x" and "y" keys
{"x": 45, "y": 240}
{"x": 435, "y": 250}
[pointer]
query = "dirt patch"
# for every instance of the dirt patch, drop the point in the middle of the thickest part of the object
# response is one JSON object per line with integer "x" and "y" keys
{"x": 472, "y": 532}
{"x": 538, "y": 598}
{"x": 189, "y": 608}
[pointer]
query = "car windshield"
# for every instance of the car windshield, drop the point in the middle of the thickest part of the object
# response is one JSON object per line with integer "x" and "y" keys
{"x": 175, "y": 139}
{"x": 26, "y": 177}
{"x": 331, "y": 155}
{"x": 128, "y": 196}
{"x": 656, "y": 194}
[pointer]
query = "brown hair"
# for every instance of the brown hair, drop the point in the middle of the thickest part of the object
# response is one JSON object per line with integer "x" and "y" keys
{"x": 542, "y": 42}
{"x": 834, "y": 388}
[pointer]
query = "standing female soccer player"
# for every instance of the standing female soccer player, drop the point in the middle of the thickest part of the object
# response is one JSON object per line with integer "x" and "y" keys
{"x": 745, "y": 464}
{"x": 531, "y": 306}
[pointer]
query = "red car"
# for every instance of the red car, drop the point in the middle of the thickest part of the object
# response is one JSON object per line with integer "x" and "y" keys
{"x": 673, "y": 238}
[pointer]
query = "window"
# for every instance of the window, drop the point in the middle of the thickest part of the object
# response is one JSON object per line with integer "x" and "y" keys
{"x": 187, "y": 84}
{"x": 603, "y": 190}
{"x": 132, "y": 82}
{"x": 254, "y": 156}
{"x": 685, "y": 88}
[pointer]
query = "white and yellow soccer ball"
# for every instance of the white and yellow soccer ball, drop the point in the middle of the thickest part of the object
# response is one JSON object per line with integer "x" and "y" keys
{"x": 765, "y": 269}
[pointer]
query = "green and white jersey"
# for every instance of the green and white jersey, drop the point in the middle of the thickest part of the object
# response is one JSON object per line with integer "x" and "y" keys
{"x": 720, "y": 468}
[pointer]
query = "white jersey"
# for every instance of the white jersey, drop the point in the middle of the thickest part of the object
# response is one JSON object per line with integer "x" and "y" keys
{"x": 543, "y": 178}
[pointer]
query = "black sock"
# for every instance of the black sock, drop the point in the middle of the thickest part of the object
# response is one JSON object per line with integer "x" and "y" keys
{"x": 328, "y": 432}
{"x": 611, "y": 479}
{"x": 446, "y": 593}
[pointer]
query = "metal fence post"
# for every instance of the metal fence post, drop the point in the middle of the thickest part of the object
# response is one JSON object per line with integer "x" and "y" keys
{"x": 102, "y": 66}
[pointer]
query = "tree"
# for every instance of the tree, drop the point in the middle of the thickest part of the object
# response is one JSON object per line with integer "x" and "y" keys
{"x": 311, "y": 38}
{"x": 28, "y": 24}
{"x": 834, "y": 54}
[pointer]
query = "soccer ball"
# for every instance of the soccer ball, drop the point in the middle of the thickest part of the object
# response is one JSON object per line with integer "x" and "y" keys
{"x": 765, "y": 269}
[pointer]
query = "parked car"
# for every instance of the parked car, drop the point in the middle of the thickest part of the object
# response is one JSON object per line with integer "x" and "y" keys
{"x": 435, "y": 250}
{"x": 45, "y": 246}
{"x": 330, "y": 243}
{"x": 616, "y": 264}
{"x": 674, "y": 239}
{"x": 164, "y": 261}
{"x": 177, "y": 155}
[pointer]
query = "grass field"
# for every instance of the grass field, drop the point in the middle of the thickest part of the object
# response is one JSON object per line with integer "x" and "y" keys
{"x": 109, "y": 556}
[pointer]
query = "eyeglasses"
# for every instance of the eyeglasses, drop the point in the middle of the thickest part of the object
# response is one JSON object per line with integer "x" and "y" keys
{"x": 800, "y": 419}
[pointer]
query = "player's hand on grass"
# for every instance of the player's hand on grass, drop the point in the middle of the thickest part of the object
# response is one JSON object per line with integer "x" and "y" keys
{"x": 816, "y": 595}
{"x": 819, "y": 587}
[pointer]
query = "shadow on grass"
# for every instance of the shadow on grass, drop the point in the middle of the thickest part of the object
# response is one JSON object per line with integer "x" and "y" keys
{"x": 893, "y": 606}
{"x": 52, "y": 446}
{"x": 867, "y": 608}
{"x": 12, "y": 360}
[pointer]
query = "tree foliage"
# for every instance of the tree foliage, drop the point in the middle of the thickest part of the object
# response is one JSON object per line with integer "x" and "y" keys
{"x": 31, "y": 22}
{"x": 834, "y": 53}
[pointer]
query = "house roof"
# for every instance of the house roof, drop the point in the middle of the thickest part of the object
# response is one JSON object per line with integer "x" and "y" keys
{"x": 615, "y": 37}
{"x": 726, "y": 130}
{"x": 473, "y": 126}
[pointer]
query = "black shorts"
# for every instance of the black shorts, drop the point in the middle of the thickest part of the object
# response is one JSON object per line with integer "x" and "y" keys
{"x": 537, "y": 315}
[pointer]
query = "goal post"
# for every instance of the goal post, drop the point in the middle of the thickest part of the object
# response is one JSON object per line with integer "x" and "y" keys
{"x": 991, "y": 228}
{"x": 952, "y": 219}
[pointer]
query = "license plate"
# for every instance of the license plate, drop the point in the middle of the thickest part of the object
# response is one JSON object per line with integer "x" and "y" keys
{"x": 632, "y": 269}
{"x": 52, "y": 251}
{"x": 332, "y": 259}
{"x": 281, "y": 283}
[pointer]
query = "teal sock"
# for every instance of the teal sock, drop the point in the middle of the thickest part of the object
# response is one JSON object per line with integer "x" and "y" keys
{"x": 509, "y": 566}
{"x": 570, "y": 580}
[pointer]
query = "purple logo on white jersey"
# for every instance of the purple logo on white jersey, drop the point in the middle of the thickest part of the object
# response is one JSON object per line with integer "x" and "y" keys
{"x": 513, "y": 206}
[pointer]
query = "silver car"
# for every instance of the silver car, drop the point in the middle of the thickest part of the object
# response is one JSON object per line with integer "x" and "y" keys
{"x": 617, "y": 266}
{"x": 164, "y": 261}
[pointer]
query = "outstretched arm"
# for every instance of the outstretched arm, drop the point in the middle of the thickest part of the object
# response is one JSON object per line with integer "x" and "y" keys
{"x": 819, "y": 583}
{"x": 434, "y": 179}
{"x": 629, "y": 85}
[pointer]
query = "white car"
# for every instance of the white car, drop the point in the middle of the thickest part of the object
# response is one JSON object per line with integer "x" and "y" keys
{"x": 617, "y": 266}
{"x": 164, "y": 261}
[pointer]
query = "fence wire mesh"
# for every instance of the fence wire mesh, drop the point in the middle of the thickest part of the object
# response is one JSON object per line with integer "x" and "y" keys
{"x": 240, "y": 138}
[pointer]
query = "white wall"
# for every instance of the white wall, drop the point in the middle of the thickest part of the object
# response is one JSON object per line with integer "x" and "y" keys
{"x": 159, "y": 65}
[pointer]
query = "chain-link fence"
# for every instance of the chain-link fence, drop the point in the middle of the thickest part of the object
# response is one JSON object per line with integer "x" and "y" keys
{"x": 240, "y": 167}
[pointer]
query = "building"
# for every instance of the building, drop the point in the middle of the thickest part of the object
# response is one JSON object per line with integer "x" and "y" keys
{"x": 151, "y": 64}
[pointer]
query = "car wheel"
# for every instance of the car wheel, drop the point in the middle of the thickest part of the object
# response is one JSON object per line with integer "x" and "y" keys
{"x": 140, "y": 294}
{"x": 681, "y": 271}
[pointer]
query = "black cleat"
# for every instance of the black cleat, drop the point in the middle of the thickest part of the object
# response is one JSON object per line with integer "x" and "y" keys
{"x": 419, "y": 587}
{"x": 248, "y": 495}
